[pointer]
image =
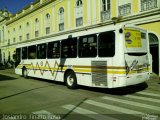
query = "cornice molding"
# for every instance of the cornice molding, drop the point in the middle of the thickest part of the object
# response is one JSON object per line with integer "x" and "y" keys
{"x": 27, "y": 12}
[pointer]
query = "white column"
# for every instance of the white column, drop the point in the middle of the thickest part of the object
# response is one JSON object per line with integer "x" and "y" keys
{"x": 88, "y": 12}
{"x": 69, "y": 14}
{"x": 94, "y": 11}
{"x": 54, "y": 19}
{"x": 41, "y": 25}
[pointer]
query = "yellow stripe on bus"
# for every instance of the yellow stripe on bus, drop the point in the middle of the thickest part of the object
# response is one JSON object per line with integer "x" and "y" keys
{"x": 87, "y": 69}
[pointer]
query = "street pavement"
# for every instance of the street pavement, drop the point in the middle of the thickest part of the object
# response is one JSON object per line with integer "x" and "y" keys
{"x": 37, "y": 99}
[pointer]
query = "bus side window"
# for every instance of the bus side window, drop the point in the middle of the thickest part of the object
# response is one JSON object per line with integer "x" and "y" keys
{"x": 106, "y": 44}
{"x": 69, "y": 48}
{"x": 18, "y": 54}
{"x": 32, "y": 52}
{"x": 24, "y": 53}
{"x": 53, "y": 50}
{"x": 88, "y": 46}
{"x": 41, "y": 51}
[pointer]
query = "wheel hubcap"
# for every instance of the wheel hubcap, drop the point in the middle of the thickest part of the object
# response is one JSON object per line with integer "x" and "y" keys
{"x": 70, "y": 80}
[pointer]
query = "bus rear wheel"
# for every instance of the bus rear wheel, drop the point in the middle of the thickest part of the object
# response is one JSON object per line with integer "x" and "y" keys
{"x": 71, "y": 80}
{"x": 25, "y": 73}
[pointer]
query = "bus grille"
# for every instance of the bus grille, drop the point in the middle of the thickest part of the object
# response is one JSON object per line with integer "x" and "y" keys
{"x": 99, "y": 73}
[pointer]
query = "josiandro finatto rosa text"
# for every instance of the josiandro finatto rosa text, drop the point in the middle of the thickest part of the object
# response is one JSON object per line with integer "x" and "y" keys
{"x": 30, "y": 117}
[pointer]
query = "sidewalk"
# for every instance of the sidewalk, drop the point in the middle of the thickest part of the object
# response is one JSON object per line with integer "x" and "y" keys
{"x": 10, "y": 71}
{"x": 154, "y": 83}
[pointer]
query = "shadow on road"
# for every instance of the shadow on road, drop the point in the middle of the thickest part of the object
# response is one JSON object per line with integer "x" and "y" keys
{"x": 114, "y": 91}
{"x": 25, "y": 91}
{"x": 4, "y": 78}
{"x": 118, "y": 91}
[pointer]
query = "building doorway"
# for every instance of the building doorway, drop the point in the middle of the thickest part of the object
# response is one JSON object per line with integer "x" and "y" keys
{"x": 154, "y": 50}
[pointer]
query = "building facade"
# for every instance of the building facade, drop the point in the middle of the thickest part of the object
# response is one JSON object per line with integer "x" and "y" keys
{"x": 4, "y": 15}
{"x": 45, "y": 18}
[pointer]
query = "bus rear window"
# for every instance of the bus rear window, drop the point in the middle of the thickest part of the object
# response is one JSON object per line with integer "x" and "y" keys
{"x": 106, "y": 44}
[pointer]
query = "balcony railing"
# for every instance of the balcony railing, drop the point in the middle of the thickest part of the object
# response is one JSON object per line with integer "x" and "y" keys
{"x": 124, "y": 9}
{"x": 105, "y": 15}
{"x": 148, "y": 4}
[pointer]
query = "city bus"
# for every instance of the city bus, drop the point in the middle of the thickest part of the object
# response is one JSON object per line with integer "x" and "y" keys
{"x": 104, "y": 56}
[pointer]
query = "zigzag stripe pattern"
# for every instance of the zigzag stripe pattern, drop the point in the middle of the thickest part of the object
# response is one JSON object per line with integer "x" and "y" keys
{"x": 46, "y": 67}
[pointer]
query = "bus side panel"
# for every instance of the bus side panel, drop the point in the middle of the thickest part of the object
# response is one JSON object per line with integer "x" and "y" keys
{"x": 18, "y": 71}
{"x": 84, "y": 79}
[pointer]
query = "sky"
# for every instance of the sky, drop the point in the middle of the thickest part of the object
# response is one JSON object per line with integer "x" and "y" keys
{"x": 14, "y": 6}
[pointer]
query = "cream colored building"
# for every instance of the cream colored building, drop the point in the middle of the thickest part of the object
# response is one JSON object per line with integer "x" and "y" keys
{"x": 45, "y": 18}
{"x": 4, "y": 15}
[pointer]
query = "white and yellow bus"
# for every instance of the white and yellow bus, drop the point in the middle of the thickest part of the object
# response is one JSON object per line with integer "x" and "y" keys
{"x": 107, "y": 57}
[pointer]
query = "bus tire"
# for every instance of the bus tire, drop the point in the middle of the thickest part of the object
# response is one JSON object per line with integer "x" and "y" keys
{"x": 25, "y": 73}
{"x": 70, "y": 80}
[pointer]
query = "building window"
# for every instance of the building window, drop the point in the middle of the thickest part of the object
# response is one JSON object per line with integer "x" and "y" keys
{"x": 20, "y": 33}
{"x": 36, "y": 27}
{"x": 27, "y": 31}
{"x": 105, "y": 9}
{"x": 61, "y": 19}
{"x": 47, "y": 23}
{"x": 79, "y": 13}
{"x": 14, "y": 40}
{"x": 125, "y": 9}
{"x": 27, "y": 36}
{"x": 8, "y": 34}
{"x": 3, "y": 36}
{"x": 148, "y": 4}
{"x": 8, "y": 41}
{"x": 20, "y": 38}
{"x": 14, "y": 35}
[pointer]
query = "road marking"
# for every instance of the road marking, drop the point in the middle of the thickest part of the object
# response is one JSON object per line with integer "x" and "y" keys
{"x": 114, "y": 108}
{"x": 132, "y": 103}
{"x": 41, "y": 112}
{"x": 143, "y": 98}
{"x": 150, "y": 94}
{"x": 88, "y": 113}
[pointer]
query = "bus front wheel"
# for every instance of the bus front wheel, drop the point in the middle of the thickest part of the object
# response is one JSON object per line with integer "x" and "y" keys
{"x": 71, "y": 80}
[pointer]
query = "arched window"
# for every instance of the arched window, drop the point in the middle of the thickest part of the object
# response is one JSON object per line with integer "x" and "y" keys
{"x": 79, "y": 13}
{"x": 27, "y": 31}
{"x": 47, "y": 20}
{"x": 61, "y": 19}
{"x": 79, "y": 3}
{"x": 153, "y": 39}
{"x": 36, "y": 27}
